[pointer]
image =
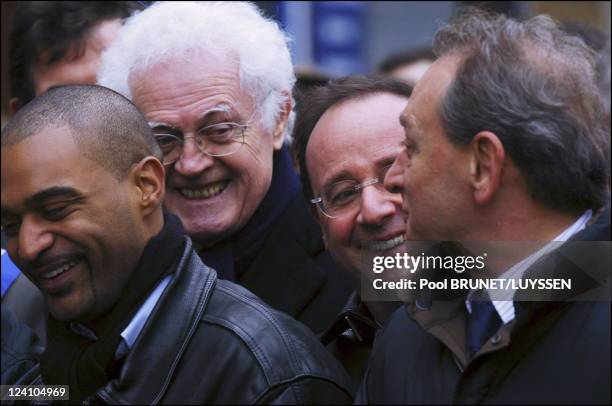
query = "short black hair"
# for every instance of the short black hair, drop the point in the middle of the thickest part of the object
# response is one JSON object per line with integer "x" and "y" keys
{"x": 106, "y": 126}
{"x": 314, "y": 102}
{"x": 43, "y": 32}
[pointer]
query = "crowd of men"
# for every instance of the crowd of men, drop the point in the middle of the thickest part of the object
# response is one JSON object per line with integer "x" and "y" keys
{"x": 169, "y": 251}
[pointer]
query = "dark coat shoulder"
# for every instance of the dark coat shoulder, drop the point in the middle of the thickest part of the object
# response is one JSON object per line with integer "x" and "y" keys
{"x": 210, "y": 341}
{"x": 294, "y": 274}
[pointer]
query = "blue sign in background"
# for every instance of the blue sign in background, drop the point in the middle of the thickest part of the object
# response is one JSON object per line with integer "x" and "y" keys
{"x": 339, "y": 33}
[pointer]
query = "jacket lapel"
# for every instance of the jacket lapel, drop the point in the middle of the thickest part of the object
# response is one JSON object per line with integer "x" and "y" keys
{"x": 162, "y": 340}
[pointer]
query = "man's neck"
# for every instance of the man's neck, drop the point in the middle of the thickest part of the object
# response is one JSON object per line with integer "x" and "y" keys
{"x": 514, "y": 234}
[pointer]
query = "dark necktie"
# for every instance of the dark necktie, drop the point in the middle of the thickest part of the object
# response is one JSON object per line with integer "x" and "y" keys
{"x": 483, "y": 322}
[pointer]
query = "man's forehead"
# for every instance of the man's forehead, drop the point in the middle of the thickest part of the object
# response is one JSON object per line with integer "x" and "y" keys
{"x": 43, "y": 144}
{"x": 350, "y": 143}
{"x": 429, "y": 91}
{"x": 30, "y": 134}
{"x": 437, "y": 78}
{"x": 42, "y": 160}
{"x": 223, "y": 109}
{"x": 186, "y": 65}
{"x": 172, "y": 93}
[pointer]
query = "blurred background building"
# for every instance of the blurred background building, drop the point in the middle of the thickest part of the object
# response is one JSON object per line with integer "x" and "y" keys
{"x": 338, "y": 38}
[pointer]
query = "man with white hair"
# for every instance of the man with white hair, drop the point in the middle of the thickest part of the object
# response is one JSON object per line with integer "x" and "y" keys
{"x": 214, "y": 81}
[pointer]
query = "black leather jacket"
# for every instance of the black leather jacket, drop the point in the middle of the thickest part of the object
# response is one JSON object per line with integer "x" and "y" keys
{"x": 21, "y": 350}
{"x": 210, "y": 341}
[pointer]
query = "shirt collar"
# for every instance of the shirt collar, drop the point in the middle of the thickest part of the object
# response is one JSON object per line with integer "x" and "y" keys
{"x": 505, "y": 306}
{"x": 134, "y": 328}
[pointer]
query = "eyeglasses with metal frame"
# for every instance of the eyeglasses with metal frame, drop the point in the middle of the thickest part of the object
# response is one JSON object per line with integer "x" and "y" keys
{"x": 216, "y": 140}
{"x": 344, "y": 197}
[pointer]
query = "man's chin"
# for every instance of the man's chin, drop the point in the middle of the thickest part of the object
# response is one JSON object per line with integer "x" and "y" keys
{"x": 206, "y": 237}
{"x": 66, "y": 315}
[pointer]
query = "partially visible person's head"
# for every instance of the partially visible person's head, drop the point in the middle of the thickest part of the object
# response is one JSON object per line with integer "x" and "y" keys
{"x": 59, "y": 42}
{"x": 308, "y": 77}
{"x": 506, "y": 120}
{"x": 347, "y": 134}
{"x": 408, "y": 66}
{"x": 191, "y": 68}
{"x": 82, "y": 186}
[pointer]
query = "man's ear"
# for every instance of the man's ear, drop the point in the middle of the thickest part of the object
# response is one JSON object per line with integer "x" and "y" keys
{"x": 149, "y": 178}
{"x": 486, "y": 165}
{"x": 281, "y": 122}
{"x": 14, "y": 105}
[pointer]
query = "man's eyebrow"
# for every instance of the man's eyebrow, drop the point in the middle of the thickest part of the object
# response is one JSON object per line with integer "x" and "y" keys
{"x": 52, "y": 192}
{"x": 386, "y": 160}
{"x": 207, "y": 115}
{"x": 345, "y": 174}
{"x": 337, "y": 177}
{"x": 158, "y": 124}
{"x": 223, "y": 108}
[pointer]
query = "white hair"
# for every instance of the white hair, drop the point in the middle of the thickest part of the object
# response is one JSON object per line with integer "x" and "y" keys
{"x": 169, "y": 30}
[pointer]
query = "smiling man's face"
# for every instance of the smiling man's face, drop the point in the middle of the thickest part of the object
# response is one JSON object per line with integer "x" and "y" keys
{"x": 357, "y": 140}
{"x": 213, "y": 196}
{"x": 71, "y": 226}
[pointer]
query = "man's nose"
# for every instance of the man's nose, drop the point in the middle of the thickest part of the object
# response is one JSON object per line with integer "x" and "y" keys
{"x": 34, "y": 238}
{"x": 377, "y": 204}
{"x": 192, "y": 161}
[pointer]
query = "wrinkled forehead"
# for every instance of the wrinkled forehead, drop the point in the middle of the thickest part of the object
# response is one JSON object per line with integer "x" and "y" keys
{"x": 180, "y": 59}
{"x": 196, "y": 86}
{"x": 221, "y": 111}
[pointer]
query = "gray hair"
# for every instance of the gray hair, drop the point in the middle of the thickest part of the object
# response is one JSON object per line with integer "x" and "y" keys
{"x": 534, "y": 86}
{"x": 604, "y": 74}
{"x": 173, "y": 30}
